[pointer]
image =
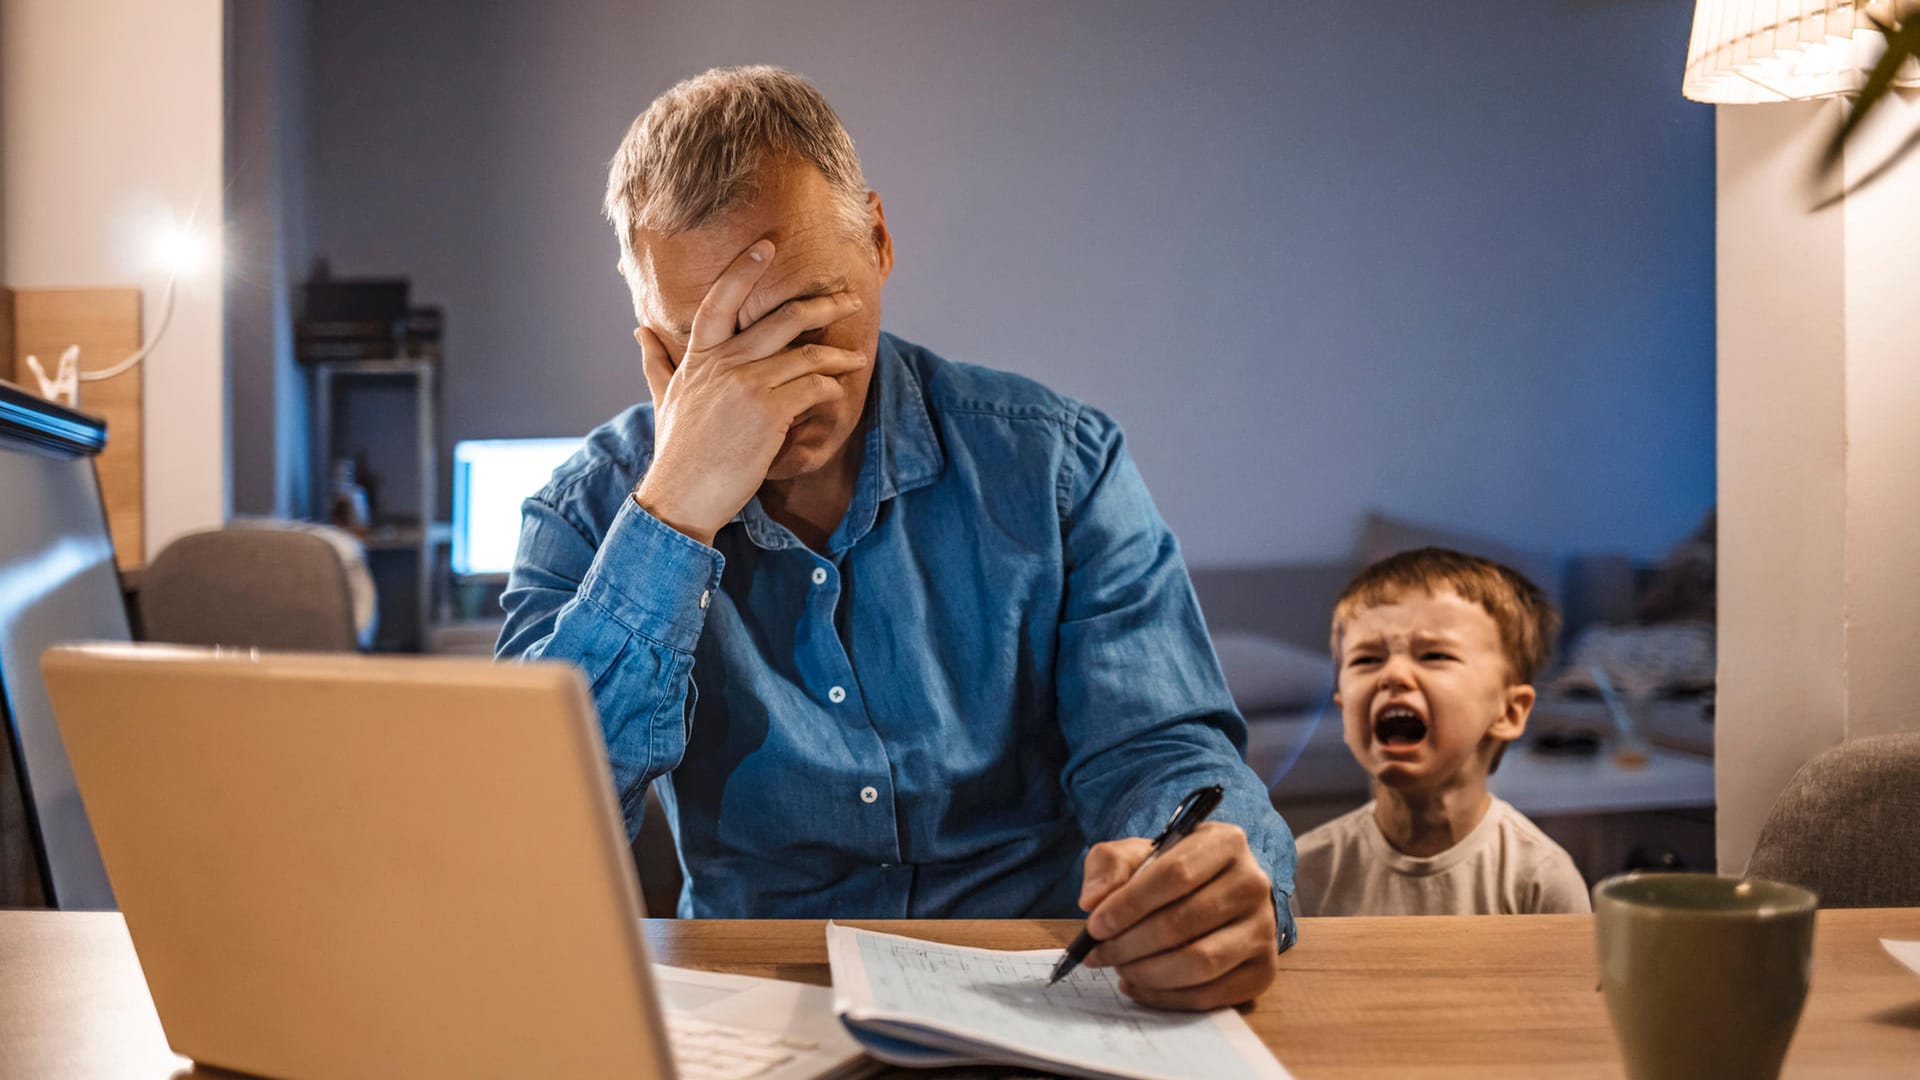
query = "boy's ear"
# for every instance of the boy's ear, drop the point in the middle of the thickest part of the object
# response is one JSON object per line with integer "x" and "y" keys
{"x": 1512, "y": 722}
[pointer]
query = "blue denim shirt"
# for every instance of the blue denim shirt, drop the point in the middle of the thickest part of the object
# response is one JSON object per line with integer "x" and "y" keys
{"x": 997, "y": 660}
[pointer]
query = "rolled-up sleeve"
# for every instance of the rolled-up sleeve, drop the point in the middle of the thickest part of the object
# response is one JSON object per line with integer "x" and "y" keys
{"x": 628, "y": 612}
{"x": 1143, "y": 704}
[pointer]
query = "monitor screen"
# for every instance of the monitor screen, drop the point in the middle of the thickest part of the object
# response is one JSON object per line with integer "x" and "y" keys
{"x": 58, "y": 584}
{"x": 490, "y": 478}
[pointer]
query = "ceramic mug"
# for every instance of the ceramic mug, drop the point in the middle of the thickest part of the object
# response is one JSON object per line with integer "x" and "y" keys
{"x": 1704, "y": 976}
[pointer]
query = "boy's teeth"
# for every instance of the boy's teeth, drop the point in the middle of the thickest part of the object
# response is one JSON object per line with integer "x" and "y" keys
{"x": 1400, "y": 726}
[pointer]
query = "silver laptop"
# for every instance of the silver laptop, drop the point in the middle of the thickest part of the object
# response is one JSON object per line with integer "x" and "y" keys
{"x": 348, "y": 866}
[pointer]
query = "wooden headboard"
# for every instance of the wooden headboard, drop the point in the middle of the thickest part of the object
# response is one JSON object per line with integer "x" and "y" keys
{"x": 105, "y": 323}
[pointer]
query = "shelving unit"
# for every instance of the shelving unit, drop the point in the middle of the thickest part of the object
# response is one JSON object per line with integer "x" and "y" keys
{"x": 418, "y": 533}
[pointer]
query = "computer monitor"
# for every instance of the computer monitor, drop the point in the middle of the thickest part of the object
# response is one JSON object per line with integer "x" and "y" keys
{"x": 490, "y": 479}
{"x": 58, "y": 584}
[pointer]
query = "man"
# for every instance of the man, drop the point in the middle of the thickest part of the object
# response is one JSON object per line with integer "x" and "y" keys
{"x": 895, "y": 637}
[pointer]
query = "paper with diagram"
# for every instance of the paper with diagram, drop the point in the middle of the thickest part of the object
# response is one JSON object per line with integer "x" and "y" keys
{"x": 920, "y": 1003}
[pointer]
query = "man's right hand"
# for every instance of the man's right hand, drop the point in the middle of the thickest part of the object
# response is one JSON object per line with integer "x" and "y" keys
{"x": 722, "y": 414}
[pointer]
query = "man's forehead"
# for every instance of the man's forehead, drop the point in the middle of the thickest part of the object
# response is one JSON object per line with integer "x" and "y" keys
{"x": 682, "y": 278}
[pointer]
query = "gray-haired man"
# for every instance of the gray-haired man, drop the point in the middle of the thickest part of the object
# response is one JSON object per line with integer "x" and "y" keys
{"x": 892, "y": 636}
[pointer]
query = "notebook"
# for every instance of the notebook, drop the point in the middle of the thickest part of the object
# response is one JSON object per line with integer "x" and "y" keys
{"x": 922, "y": 1004}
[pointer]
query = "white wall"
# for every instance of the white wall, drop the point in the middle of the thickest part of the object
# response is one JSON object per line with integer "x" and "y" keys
{"x": 1819, "y": 399}
{"x": 1883, "y": 434}
{"x": 1782, "y": 528}
{"x": 1434, "y": 260}
{"x": 111, "y": 124}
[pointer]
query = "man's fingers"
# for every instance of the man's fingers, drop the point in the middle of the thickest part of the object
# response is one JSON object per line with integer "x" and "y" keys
{"x": 793, "y": 398}
{"x": 719, "y": 311}
{"x": 1178, "y": 871}
{"x": 777, "y": 328}
{"x": 1204, "y": 958}
{"x": 1108, "y": 866}
{"x": 654, "y": 362}
{"x": 783, "y": 368}
{"x": 1242, "y": 984}
{"x": 1225, "y": 899}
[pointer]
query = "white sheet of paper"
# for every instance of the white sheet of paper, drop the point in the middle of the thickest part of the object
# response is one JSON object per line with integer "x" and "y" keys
{"x": 1002, "y": 999}
{"x": 1907, "y": 952}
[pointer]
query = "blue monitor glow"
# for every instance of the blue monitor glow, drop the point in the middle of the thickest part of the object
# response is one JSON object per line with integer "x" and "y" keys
{"x": 490, "y": 478}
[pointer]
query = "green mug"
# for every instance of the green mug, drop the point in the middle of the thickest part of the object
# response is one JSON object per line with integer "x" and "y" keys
{"x": 1704, "y": 976}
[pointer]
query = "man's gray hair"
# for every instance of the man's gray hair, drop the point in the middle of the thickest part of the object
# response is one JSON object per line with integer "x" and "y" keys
{"x": 697, "y": 153}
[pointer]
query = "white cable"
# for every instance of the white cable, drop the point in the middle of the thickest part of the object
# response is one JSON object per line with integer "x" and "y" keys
{"x": 124, "y": 366}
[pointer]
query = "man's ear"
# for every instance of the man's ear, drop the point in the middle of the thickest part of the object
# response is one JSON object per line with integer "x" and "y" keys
{"x": 882, "y": 236}
{"x": 1512, "y": 722}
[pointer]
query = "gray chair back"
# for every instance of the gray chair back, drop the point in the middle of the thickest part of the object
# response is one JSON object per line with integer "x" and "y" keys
{"x": 1848, "y": 825}
{"x": 249, "y": 588}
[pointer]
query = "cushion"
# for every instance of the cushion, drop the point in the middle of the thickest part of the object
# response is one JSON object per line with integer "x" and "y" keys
{"x": 1272, "y": 676}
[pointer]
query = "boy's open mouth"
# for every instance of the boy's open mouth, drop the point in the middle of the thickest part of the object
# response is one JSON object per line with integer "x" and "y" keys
{"x": 1399, "y": 725}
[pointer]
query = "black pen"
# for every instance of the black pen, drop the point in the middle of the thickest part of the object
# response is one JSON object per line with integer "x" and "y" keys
{"x": 1186, "y": 817}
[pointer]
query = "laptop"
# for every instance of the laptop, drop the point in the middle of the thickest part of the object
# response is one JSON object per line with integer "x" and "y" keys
{"x": 339, "y": 865}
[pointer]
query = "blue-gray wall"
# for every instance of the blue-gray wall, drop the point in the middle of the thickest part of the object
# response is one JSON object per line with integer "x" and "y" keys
{"x": 1459, "y": 267}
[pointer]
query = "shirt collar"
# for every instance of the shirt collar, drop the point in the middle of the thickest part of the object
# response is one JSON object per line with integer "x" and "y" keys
{"x": 909, "y": 450}
{"x": 903, "y": 454}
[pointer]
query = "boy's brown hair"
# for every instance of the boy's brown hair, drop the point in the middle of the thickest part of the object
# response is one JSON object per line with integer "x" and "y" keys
{"x": 1526, "y": 618}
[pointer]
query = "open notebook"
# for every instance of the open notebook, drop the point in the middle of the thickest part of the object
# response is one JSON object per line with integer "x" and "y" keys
{"x": 919, "y": 1003}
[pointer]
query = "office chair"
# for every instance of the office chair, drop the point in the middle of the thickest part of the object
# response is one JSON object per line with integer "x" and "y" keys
{"x": 250, "y": 587}
{"x": 1848, "y": 825}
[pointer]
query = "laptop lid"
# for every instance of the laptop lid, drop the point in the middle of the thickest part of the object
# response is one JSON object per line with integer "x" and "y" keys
{"x": 343, "y": 865}
{"x": 58, "y": 583}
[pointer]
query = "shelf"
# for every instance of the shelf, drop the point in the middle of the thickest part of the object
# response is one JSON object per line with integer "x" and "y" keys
{"x": 395, "y": 365}
{"x": 402, "y": 537}
{"x": 406, "y": 537}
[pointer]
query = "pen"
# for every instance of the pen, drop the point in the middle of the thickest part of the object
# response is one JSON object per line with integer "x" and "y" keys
{"x": 1186, "y": 817}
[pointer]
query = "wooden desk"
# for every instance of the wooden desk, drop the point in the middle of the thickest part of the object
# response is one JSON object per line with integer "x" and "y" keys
{"x": 1462, "y": 997}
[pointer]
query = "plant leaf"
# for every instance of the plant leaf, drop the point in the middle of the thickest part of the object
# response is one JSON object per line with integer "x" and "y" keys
{"x": 1902, "y": 42}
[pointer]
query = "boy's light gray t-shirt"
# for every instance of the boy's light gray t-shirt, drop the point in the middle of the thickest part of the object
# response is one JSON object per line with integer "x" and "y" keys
{"x": 1505, "y": 866}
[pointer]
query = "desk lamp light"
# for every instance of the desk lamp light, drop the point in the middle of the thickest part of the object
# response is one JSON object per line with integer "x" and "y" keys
{"x": 178, "y": 249}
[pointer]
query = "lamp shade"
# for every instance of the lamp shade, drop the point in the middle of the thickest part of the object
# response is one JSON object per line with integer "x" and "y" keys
{"x": 1745, "y": 52}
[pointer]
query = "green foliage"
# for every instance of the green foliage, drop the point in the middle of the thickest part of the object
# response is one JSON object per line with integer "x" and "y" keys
{"x": 1903, "y": 42}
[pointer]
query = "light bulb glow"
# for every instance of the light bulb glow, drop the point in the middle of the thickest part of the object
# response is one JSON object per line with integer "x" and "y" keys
{"x": 178, "y": 249}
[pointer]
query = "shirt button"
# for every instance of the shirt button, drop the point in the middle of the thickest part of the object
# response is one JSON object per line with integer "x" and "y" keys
{"x": 819, "y": 575}
{"x": 705, "y": 595}
{"x": 868, "y": 794}
{"x": 837, "y": 695}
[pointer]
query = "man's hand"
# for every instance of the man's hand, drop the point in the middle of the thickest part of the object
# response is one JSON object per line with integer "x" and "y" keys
{"x": 721, "y": 416}
{"x": 1195, "y": 930}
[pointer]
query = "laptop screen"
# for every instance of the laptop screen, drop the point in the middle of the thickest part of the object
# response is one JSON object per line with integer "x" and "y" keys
{"x": 58, "y": 584}
{"x": 490, "y": 478}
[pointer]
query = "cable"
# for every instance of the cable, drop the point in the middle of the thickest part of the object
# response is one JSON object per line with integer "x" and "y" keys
{"x": 166, "y": 319}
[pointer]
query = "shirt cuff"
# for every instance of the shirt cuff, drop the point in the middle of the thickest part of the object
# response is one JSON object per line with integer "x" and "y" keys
{"x": 654, "y": 578}
{"x": 1286, "y": 931}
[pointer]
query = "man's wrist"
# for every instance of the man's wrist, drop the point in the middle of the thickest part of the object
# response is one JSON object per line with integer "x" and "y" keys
{"x": 667, "y": 514}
